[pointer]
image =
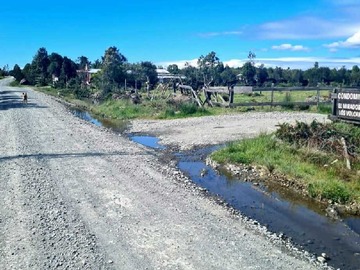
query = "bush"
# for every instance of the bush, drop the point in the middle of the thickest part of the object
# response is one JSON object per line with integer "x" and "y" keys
{"x": 288, "y": 101}
{"x": 188, "y": 108}
{"x": 324, "y": 108}
{"x": 330, "y": 190}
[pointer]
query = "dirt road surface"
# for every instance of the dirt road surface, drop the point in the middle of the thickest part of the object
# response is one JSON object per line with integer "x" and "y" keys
{"x": 76, "y": 196}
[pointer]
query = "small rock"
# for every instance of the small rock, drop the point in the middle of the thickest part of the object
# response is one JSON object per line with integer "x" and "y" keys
{"x": 325, "y": 256}
{"x": 321, "y": 259}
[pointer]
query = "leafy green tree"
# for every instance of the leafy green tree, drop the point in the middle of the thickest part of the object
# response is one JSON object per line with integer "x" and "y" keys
{"x": 68, "y": 71}
{"x": 262, "y": 75}
{"x": 228, "y": 76}
{"x": 313, "y": 75}
{"x": 355, "y": 76}
{"x": 54, "y": 68}
{"x": 207, "y": 66}
{"x": 248, "y": 70}
{"x": 4, "y": 71}
{"x": 113, "y": 72}
{"x": 174, "y": 69}
{"x": 39, "y": 66}
{"x": 97, "y": 64}
{"x": 193, "y": 76}
{"x": 148, "y": 73}
{"x": 83, "y": 62}
{"x": 29, "y": 74}
{"x": 17, "y": 73}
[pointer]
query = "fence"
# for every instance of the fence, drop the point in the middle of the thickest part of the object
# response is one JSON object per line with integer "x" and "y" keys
{"x": 213, "y": 97}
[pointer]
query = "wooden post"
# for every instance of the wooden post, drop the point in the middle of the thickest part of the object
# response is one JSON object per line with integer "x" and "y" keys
{"x": 272, "y": 97}
{"x": 334, "y": 103}
{"x": 346, "y": 154}
{"x": 231, "y": 96}
{"x": 318, "y": 98}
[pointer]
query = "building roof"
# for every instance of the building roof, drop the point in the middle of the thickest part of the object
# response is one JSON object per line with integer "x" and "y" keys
{"x": 164, "y": 74}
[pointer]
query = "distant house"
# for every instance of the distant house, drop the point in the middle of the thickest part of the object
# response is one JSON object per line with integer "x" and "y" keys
{"x": 86, "y": 73}
{"x": 163, "y": 75}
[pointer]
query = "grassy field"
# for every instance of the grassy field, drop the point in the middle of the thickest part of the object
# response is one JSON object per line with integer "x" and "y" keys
{"x": 163, "y": 105}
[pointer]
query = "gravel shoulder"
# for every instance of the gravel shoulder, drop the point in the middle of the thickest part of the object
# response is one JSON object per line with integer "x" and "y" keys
{"x": 76, "y": 196}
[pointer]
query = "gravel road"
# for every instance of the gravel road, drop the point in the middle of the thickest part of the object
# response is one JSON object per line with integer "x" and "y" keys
{"x": 76, "y": 196}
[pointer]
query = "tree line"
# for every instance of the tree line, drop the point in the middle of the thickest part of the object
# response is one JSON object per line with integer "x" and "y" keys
{"x": 116, "y": 74}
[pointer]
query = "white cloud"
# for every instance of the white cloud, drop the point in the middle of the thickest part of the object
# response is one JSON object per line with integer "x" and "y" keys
{"x": 225, "y": 33}
{"x": 307, "y": 28}
{"x": 351, "y": 42}
{"x": 289, "y": 47}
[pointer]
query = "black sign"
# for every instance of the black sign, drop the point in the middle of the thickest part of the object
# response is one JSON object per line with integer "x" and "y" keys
{"x": 347, "y": 104}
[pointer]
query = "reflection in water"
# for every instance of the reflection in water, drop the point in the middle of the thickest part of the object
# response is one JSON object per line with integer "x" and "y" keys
{"x": 116, "y": 125}
{"x": 148, "y": 141}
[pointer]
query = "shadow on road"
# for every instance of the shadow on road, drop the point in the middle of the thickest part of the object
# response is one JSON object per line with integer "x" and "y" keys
{"x": 10, "y": 101}
{"x": 71, "y": 155}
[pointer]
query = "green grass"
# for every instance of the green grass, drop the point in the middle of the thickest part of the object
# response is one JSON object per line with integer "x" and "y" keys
{"x": 311, "y": 169}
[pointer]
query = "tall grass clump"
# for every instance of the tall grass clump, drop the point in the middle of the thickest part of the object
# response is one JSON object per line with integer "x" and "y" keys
{"x": 324, "y": 108}
{"x": 288, "y": 102}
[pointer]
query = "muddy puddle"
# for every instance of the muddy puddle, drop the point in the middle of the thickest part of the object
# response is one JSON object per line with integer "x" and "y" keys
{"x": 281, "y": 211}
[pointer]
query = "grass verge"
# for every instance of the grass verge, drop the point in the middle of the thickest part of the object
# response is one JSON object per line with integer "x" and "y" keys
{"x": 323, "y": 175}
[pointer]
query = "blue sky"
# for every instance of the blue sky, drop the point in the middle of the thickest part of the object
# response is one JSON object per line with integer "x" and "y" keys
{"x": 282, "y": 33}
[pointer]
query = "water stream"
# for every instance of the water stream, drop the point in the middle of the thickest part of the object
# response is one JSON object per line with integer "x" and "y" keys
{"x": 281, "y": 211}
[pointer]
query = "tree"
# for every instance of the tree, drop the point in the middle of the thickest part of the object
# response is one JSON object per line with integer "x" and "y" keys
{"x": 68, "y": 71}
{"x": 83, "y": 62}
{"x": 262, "y": 75}
{"x": 97, "y": 64}
{"x": 174, "y": 69}
{"x": 55, "y": 64}
{"x": 207, "y": 65}
{"x": 39, "y": 66}
{"x": 113, "y": 72}
{"x": 29, "y": 74}
{"x": 355, "y": 76}
{"x": 4, "y": 71}
{"x": 17, "y": 73}
{"x": 228, "y": 76}
{"x": 192, "y": 76}
{"x": 148, "y": 73}
{"x": 249, "y": 70}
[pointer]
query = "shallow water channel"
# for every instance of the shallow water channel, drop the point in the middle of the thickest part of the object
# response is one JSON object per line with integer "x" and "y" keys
{"x": 281, "y": 211}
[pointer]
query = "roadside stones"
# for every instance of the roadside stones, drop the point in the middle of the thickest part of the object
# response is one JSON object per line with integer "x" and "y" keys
{"x": 323, "y": 258}
{"x": 331, "y": 212}
{"x": 203, "y": 172}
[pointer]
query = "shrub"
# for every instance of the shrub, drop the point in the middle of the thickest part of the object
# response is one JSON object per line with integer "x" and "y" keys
{"x": 188, "y": 108}
{"x": 288, "y": 101}
{"x": 330, "y": 190}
